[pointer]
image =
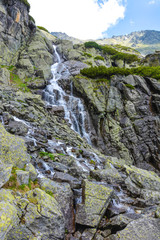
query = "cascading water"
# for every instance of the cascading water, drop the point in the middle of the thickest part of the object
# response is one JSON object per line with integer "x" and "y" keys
{"x": 73, "y": 108}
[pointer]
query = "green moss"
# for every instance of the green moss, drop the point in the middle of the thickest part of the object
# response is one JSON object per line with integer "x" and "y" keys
{"x": 92, "y": 162}
{"x": 87, "y": 54}
{"x": 50, "y": 193}
{"x": 42, "y": 28}
{"x": 50, "y": 155}
{"x": 13, "y": 184}
{"x": 129, "y": 86}
{"x": 99, "y": 58}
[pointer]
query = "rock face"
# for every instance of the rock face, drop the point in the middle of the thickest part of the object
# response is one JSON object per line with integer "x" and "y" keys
{"x": 16, "y": 29}
{"x": 124, "y": 117}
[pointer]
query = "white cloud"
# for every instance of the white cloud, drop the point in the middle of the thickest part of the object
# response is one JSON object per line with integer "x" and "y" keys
{"x": 152, "y": 2}
{"x": 84, "y": 19}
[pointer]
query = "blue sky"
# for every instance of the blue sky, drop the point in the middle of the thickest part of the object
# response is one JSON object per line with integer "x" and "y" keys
{"x": 139, "y": 15}
{"x": 93, "y": 19}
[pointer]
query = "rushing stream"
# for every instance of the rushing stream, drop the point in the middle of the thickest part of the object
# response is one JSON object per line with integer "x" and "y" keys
{"x": 73, "y": 107}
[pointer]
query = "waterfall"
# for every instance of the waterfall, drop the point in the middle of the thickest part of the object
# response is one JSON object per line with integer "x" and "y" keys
{"x": 73, "y": 107}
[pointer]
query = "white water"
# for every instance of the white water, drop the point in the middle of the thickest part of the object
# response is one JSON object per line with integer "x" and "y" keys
{"x": 73, "y": 108}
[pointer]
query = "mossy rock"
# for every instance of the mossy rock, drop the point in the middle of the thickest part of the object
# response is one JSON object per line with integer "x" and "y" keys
{"x": 12, "y": 149}
{"x": 8, "y": 218}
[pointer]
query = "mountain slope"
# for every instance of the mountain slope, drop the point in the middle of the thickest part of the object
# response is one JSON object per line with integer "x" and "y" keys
{"x": 144, "y": 41}
{"x": 64, "y": 36}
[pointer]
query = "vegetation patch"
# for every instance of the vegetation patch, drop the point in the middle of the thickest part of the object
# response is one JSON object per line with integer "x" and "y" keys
{"x": 49, "y": 155}
{"x": 19, "y": 83}
{"x": 92, "y": 44}
{"x": 15, "y": 80}
{"x": 42, "y": 28}
{"x": 104, "y": 72}
{"x": 129, "y": 86}
{"x": 116, "y": 55}
{"x": 87, "y": 54}
{"x": 128, "y": 49}
{"x": 99, "y": 58}
{"x": 12, "y": 183}
{"x": 126, "y": 57}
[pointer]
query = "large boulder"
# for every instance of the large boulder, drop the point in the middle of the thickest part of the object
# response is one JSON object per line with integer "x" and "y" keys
{"x": 43, "y": 215}
{"x": 95, "y": 201}
{"x": 12, "y": 149}
{"x": 8, "y": 218}
{"x": 142, "y": 229}
{"x": 64, "y": 196}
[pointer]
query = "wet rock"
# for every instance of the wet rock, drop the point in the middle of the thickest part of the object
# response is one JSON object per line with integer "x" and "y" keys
{"x": 64, "y": 196}
{"x": 17, "y": 128}
{"x": 64, "y": 177}
{"x": 142, "y": 229}
{"x": 95, "y": 201}
{"x": 58, "y": 111}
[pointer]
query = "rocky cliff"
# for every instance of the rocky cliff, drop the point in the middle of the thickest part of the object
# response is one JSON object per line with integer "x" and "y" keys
{"x": 79, "y": 156}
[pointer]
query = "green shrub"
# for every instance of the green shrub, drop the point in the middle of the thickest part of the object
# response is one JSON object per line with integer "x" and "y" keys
{"x": 129, "y": 58}
{"x": 91, "y": 44}
{"x": 104, "y": 72}
{"x": 109, "y": 50}
{"x": 42, "y": 28}
{"x": 99, "y": 58}
{"x": 87, "y": 54}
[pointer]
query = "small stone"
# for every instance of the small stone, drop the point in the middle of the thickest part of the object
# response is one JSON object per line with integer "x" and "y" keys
{"x": 32, "y": 171}
{"x": 22, "y": 177}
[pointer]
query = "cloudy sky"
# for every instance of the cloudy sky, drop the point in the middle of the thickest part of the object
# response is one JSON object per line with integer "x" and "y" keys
{"x": 93, "y": 19}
